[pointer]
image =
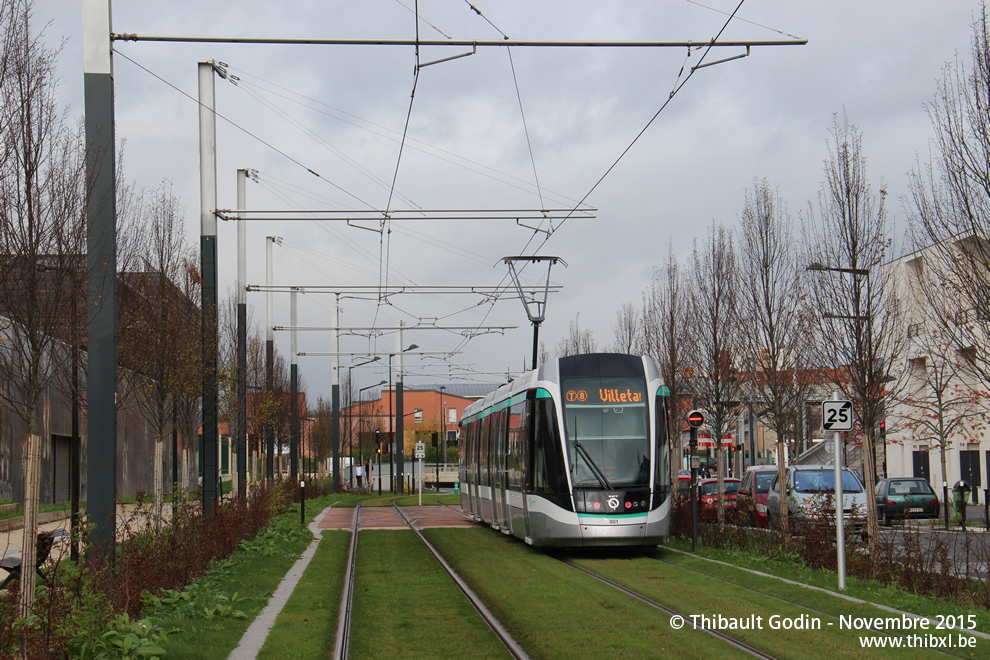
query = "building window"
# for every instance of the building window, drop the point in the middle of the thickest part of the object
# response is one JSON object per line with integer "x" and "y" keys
{"x": 915, "y": 329}
{"x": 451, "y": 415}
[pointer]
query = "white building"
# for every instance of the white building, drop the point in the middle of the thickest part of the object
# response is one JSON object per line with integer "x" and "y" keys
{"x": 944, "y": 405}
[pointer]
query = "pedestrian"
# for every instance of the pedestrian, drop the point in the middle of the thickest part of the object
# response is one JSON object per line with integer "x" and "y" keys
{"x": 359, "y": 473}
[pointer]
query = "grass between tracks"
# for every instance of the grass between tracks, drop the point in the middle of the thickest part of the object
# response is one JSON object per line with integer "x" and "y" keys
{"x": 555, "y": 612}
{"x": 405, "y": 606}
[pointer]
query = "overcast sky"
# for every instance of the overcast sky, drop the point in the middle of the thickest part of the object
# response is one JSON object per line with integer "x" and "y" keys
{"x": 341, "y": 111}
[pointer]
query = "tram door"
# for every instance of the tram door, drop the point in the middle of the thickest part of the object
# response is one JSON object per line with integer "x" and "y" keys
{"x": 498, "y": 469}
{"x": 503, "y": 480}
{"x": 485, "y": 469}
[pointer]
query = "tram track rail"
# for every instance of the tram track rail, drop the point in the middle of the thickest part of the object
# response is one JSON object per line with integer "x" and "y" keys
{"x": 728, "y": 639}
{"x": 342, "y": 642}
{"x": 503, "y": 635}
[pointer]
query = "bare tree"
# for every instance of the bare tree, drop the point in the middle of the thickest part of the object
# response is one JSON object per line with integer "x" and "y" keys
{"x": 858, "y": 314}
{"x": 666, "y": 336}
{"x": 577, "y": 341}
{"x": 628, "y": 331}
{"x": 950, "y": 199}
{"x": 774, "y": 345}
{"x": 713, "y": 323}
{"x": 40, "y": 218}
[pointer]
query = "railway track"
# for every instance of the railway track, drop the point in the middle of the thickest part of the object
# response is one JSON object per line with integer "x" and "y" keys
{"x": 341, "y": 645}
{"x": 732, "y": 641}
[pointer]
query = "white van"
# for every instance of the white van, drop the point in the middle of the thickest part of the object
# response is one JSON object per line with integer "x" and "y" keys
{"x": 807, "y": 485}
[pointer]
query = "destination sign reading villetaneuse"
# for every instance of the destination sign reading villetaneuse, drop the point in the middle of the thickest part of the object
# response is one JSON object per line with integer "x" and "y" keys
{"x": 603, "y": 395}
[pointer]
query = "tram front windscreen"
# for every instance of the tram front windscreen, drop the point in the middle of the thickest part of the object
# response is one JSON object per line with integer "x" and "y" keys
{"x": 606, "y": 422}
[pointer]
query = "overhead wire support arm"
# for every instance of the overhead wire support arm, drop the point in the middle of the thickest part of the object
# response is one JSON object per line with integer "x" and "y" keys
{"x": 397, "y": 289}
{"x": 726, "y": 59}
{"x": 474, "y": 49}
{"x": 351, "y": 215}
{"x": 464, "y": 43}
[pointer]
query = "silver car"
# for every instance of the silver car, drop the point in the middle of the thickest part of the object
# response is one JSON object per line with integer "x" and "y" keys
{"x": 807, "y": 485}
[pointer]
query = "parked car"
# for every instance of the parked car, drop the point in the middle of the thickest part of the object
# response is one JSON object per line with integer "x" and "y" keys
{"x": 905, "y": 497}
{"x": 708, "y": 496}
{"x": 753, "y": 491}
{"x": 807, "y": 484}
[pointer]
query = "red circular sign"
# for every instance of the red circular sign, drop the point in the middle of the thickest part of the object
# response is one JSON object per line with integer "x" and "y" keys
{"x": 695, "y": 418}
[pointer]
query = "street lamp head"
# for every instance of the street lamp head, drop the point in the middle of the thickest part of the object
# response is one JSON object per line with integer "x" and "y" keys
{"x": 411, "y": 347}
{"x": 814, "y": 265}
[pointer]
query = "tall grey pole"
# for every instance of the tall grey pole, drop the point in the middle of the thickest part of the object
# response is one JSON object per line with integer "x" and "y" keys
{"x": 840, "y": 531}
{"x": 101, "y": 268}
{"x": 241, "y": 336}
{"x": 399, "y": 421}
{"x": 294, "y": 389}
{"x": 335, "y": 394}
{"x": 269, "y": 359}
{"x": 208, "y": 248}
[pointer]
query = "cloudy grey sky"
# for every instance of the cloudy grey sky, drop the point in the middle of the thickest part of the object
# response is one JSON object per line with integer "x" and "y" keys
{"x": 341, "y": 111}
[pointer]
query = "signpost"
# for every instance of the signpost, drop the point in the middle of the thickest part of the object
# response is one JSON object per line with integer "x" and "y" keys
{"x": 420, "y": 455}
{"x": 695, "y": 419}
{"x": 837, "y": 416}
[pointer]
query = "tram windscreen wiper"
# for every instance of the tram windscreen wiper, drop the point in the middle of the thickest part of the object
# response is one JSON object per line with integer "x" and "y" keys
{"x": 595, "y": 470}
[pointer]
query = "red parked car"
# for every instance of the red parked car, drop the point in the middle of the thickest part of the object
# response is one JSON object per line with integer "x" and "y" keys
{"x": 753, "y": 493}
{"x": 708, "y": 496}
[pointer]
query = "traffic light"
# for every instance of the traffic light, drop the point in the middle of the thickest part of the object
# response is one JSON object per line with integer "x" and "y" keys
{"x": 378, "y": 439}
{"x": 883, "y": 427}
{"x": 434, "y": 438}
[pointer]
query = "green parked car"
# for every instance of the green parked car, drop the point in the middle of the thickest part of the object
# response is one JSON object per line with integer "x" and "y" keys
{"x": 905, "y": 497}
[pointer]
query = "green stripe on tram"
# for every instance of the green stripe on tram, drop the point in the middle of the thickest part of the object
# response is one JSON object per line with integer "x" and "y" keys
{"x": 663, "y": 391}
{"x": 542, "y": 393}
{"x": 599, "y": 516}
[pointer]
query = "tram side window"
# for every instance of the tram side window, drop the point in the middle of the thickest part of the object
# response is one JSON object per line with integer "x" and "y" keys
{"x": 483, "y": 436}
{"x": 661, "y": 483}
{"x": 516, "y": 456}
{"x": 549, "y": 475}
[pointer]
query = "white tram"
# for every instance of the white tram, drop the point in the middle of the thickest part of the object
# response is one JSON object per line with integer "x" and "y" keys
{"x": 573, "y": 454}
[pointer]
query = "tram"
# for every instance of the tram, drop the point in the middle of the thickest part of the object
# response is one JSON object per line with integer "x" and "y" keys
{"x": 572, "y": 454}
